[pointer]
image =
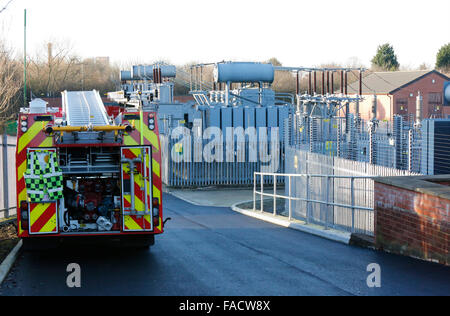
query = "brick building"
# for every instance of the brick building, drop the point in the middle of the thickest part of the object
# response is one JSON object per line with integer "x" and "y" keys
{"x": 397, "y": 92}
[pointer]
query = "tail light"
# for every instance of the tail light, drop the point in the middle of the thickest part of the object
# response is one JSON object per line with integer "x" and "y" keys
{"x": 24, "y": 215}
{"x": 24, "y": 123}
{"x": 155, "y": 204}
{"x": 151, "y": 122}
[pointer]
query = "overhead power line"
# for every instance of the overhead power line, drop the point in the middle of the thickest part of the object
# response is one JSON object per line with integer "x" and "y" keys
{"x": 6, "y": 6}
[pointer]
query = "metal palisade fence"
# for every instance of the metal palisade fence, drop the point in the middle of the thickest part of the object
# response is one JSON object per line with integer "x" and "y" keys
{"x": 7, "y": 176}
{"x": 231, "y": 167}
{"x": 345, "y": 183}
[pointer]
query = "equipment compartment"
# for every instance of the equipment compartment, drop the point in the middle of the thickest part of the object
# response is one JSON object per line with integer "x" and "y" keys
{"x": 90, "y": 204}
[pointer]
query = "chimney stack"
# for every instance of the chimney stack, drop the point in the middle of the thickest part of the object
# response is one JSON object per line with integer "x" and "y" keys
{"x": 50, "y": 52}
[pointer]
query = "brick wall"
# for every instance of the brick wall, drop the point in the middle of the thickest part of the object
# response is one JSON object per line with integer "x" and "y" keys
{"x": 411, "y": 223}
{"x": 432, "y": 83}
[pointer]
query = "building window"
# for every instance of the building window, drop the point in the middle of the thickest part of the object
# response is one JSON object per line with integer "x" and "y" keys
{"x": 401, "y": 104}
{"x": 433, "y": 81}
{"x": 434, "y": 98}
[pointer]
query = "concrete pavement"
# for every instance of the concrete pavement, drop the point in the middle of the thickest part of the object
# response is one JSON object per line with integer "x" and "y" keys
{"x": 223, "y": 197}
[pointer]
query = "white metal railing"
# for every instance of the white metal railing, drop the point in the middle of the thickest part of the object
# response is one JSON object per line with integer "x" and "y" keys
{"x": 7, "y": 177}
{"x": 329, "y": 202}
{"x": 8, "y": 213}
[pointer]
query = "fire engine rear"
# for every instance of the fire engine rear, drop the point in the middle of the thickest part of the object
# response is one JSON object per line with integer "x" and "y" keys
{"x": 82, "y": 171}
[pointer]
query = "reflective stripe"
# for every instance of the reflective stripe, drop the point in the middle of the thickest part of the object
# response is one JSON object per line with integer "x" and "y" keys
{"x": 21, "y": 170}
{"x": 130, "y": 224}
{"x": 156, "y": 168}
{"x": 55, "y": 174}
{"x": 35, "y": 192}
{"x": 31, "y": 176}
{"x": 50, "y": 226}
{"x": 55, "y": 190}
{"x": 37, "y": 212}
{"x": 26, "y": 138}
{"x": 43, "y": 218}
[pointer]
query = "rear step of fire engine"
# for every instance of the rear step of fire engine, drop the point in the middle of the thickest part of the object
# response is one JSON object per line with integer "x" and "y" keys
{"x": 84, "y": 108}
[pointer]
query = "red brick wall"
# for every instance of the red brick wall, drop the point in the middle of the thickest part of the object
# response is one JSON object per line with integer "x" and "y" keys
{"x": 412, "y": 223}
{"x": 425, "y": 86}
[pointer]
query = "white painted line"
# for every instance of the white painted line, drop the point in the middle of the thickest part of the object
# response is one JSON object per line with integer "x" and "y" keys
{"x": 331, "y": 234}
{"x": 9, "y": 261}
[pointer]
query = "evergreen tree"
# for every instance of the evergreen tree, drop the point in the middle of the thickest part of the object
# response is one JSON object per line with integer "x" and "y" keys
{"x": 385, "y": 59}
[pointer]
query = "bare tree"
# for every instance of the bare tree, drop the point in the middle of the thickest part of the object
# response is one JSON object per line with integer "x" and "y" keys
{"x": 56, "y": 67}
{"x": 50, "y": 68}
{"x": 10, "y": 85}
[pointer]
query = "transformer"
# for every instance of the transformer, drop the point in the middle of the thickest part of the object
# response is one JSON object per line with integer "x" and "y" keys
{"x": 435, "y": 146}
{"x": 244, "y": 72}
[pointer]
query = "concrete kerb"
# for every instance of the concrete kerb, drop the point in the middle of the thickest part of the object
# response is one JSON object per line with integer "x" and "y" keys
{"x": 7, "y": 264}
{"x": 4, "y": 222}
{"x": 331, "y": 234}
{"x": 179, "y": 196}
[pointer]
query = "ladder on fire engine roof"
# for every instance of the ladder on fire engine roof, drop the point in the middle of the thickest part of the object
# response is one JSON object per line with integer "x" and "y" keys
{"x": 84, "y": 108}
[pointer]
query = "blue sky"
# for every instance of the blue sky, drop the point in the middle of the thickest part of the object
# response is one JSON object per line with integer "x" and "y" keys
{"x": 298, "y": 33}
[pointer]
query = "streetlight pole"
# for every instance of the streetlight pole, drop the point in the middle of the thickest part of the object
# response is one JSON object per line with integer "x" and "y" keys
{"x": 25, "y": 59}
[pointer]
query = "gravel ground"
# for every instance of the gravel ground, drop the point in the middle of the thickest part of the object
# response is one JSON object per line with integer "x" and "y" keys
{"x": 8, "y": 239}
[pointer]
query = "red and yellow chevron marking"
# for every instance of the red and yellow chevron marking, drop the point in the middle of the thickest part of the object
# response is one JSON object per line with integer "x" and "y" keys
{"x": 150, "y": 138}
{"x": 136, "y": 222}
{"x": 33, "y": 138}
{"x": 43, "y": 218}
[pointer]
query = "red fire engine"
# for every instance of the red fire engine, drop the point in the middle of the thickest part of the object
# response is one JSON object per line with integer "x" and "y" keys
{"x": 82, "y": 171}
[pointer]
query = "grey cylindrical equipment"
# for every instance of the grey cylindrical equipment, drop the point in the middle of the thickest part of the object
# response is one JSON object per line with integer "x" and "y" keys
{"x": 244, "y": 72}
{"x": 168, "y": 71}
{"x": 447, "y": 93}
{"x": 125, "y": 75}
{"x": 136, "y": 72}
{"x": 374, "y": 107}
{"x": 419, "y": 107}
{"x": 146, "y": 71}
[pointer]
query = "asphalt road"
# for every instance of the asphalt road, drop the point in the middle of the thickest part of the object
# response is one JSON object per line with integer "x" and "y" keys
{"x": 214, "y": 251}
